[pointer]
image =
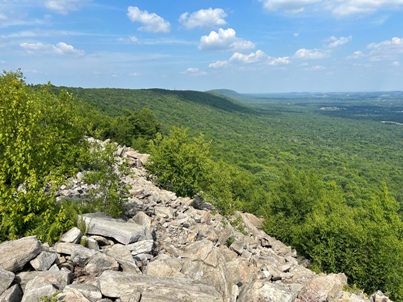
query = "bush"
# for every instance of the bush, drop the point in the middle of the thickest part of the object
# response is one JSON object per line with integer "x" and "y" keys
{"x": 40, "y": 141}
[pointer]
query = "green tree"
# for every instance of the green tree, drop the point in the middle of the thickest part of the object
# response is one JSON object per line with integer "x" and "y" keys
{"x": 180, "y": 163}
{"x": 40, "y": 140}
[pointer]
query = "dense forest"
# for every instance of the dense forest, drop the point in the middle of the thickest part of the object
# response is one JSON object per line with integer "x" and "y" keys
{"x": 324, "y": 170}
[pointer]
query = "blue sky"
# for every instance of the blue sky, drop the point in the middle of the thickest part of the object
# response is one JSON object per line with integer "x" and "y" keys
{"x": 245, "y": 45}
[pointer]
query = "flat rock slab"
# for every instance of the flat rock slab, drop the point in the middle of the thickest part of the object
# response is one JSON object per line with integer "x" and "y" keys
{"x": 152, "y": 288}
{"x": 121, "y": 231}
{"x": 15, "y": 254}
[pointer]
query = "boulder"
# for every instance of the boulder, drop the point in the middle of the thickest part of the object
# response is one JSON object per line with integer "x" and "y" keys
{"x": 101, "y": 262}
{"x": 13, "y": 294}
{"x": 15, "y": 254}
{"x": 323, "y": 288}
{"x": 117, "y": 284}
{"x": 121, "y": 231}
{"x": 87, "y": 291}
{"x": 45, "y": 284}
{"x": 43, "y": 261}
{"x": 6, "y": 278}
{"x": 122, "y": 255}
{"x": 141, "y": 247}
{"x": 261, "y": 290}
{"x": 74, "y": 236}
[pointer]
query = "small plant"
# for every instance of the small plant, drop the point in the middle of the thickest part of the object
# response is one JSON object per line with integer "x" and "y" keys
{"x": 238, "y": 224}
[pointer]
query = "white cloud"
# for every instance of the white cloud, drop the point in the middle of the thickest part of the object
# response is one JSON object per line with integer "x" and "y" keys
{"x": 253, "y": 57}
{"x": 353, "y": 7}
{"x": 204, "y": 18}
{"x": 396, "y": 63}
{"x": 224, "y": 39}
{"x": 309, "y": 54}
{"x": 386, "y": 50}
{"x": 339, "y": 8}
{"x": 289, "y": 6}
{"x": 60, "y": 48}
{"x": 356, "y": 55}
{"x": 65, "y": 6}
{"x": 336, "y": 42}
{"x": 279, "y": 61}
{"x": 194, "y": 71}
{"x": 218, "y": 64}
{"x": 151, "y": 21}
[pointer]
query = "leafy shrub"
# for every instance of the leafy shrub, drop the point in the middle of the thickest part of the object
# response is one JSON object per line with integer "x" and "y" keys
{"x": 40, "y": 140}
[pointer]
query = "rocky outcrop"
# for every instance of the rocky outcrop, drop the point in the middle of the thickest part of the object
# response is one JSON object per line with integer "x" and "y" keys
{"x": 166, "y": 248}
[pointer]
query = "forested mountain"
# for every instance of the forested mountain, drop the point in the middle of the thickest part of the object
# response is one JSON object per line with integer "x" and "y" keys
{"x": 324, "y": 172}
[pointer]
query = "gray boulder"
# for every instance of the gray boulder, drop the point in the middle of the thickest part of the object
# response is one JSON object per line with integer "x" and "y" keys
{"x": 118, "y": 284}
{"x": 6, "y": 278}
{"x": 43, "y": 261}
{"x": 15, "y": 254}
{"x": 13, "y": 294}
{"x": 261, "y": 290}
{"x": 74, "y": 236}
{"x": 121, "y": 231}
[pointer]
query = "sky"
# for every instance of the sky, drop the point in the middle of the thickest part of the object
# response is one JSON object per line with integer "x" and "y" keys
{"x": 250, "y": 46}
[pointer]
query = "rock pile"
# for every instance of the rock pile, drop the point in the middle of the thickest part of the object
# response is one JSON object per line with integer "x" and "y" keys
{"x": 168, "y": 249}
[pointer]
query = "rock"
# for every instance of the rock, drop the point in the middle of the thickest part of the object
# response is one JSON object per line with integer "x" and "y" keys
{"x": 81, "y": 255}
{"x": 65, "y": 248}
{"x": 261, "y": 290}
{"x": 43, "y": 261}
{"x": 73, "y": 236}
{"x": 200, "y": 204}
{"x": 165, "y": 266}
{"x": 163, "y": 212}
{"x": 237, "y": 246}
{"x": 141, "y": 247}
{"x": 46, "y": 284}
{"x": 323, "y": 288}
{"x": 37, "y": 289}
{"x": 123, "y": 232}
{"x": 379, "y": 297}
{"x": 117, "y": 284}
{"x": 101, "y": 262}
{"x": 71, "y": 296}
{"x": 15, "y": 254}
{"x": 13, "y": 294}
{"x": 143, "y": 219}
{"x": 90, "y": 292}
{"x": 123, "y": 256}
{"x": 6, "y": 278}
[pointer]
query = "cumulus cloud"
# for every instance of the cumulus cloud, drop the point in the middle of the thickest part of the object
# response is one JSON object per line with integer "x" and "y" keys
{"x": 336, "y": 42}
{"x": 253, "y": 57}
{"x": 309, "y": 54}
{"x": 224, "y": 39}
{"x": 65, "y": 6}
{"x": 289, "y": 6}
{"x": 386, "y": 50}
{"x": 279, "y": 61}
{"x": 194, "y": 71}
{"x": 204, "y": 18}
{"x": 60, "y": 48}
{"x": 218, "y": 64}
{"x": 151, "y": 21}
